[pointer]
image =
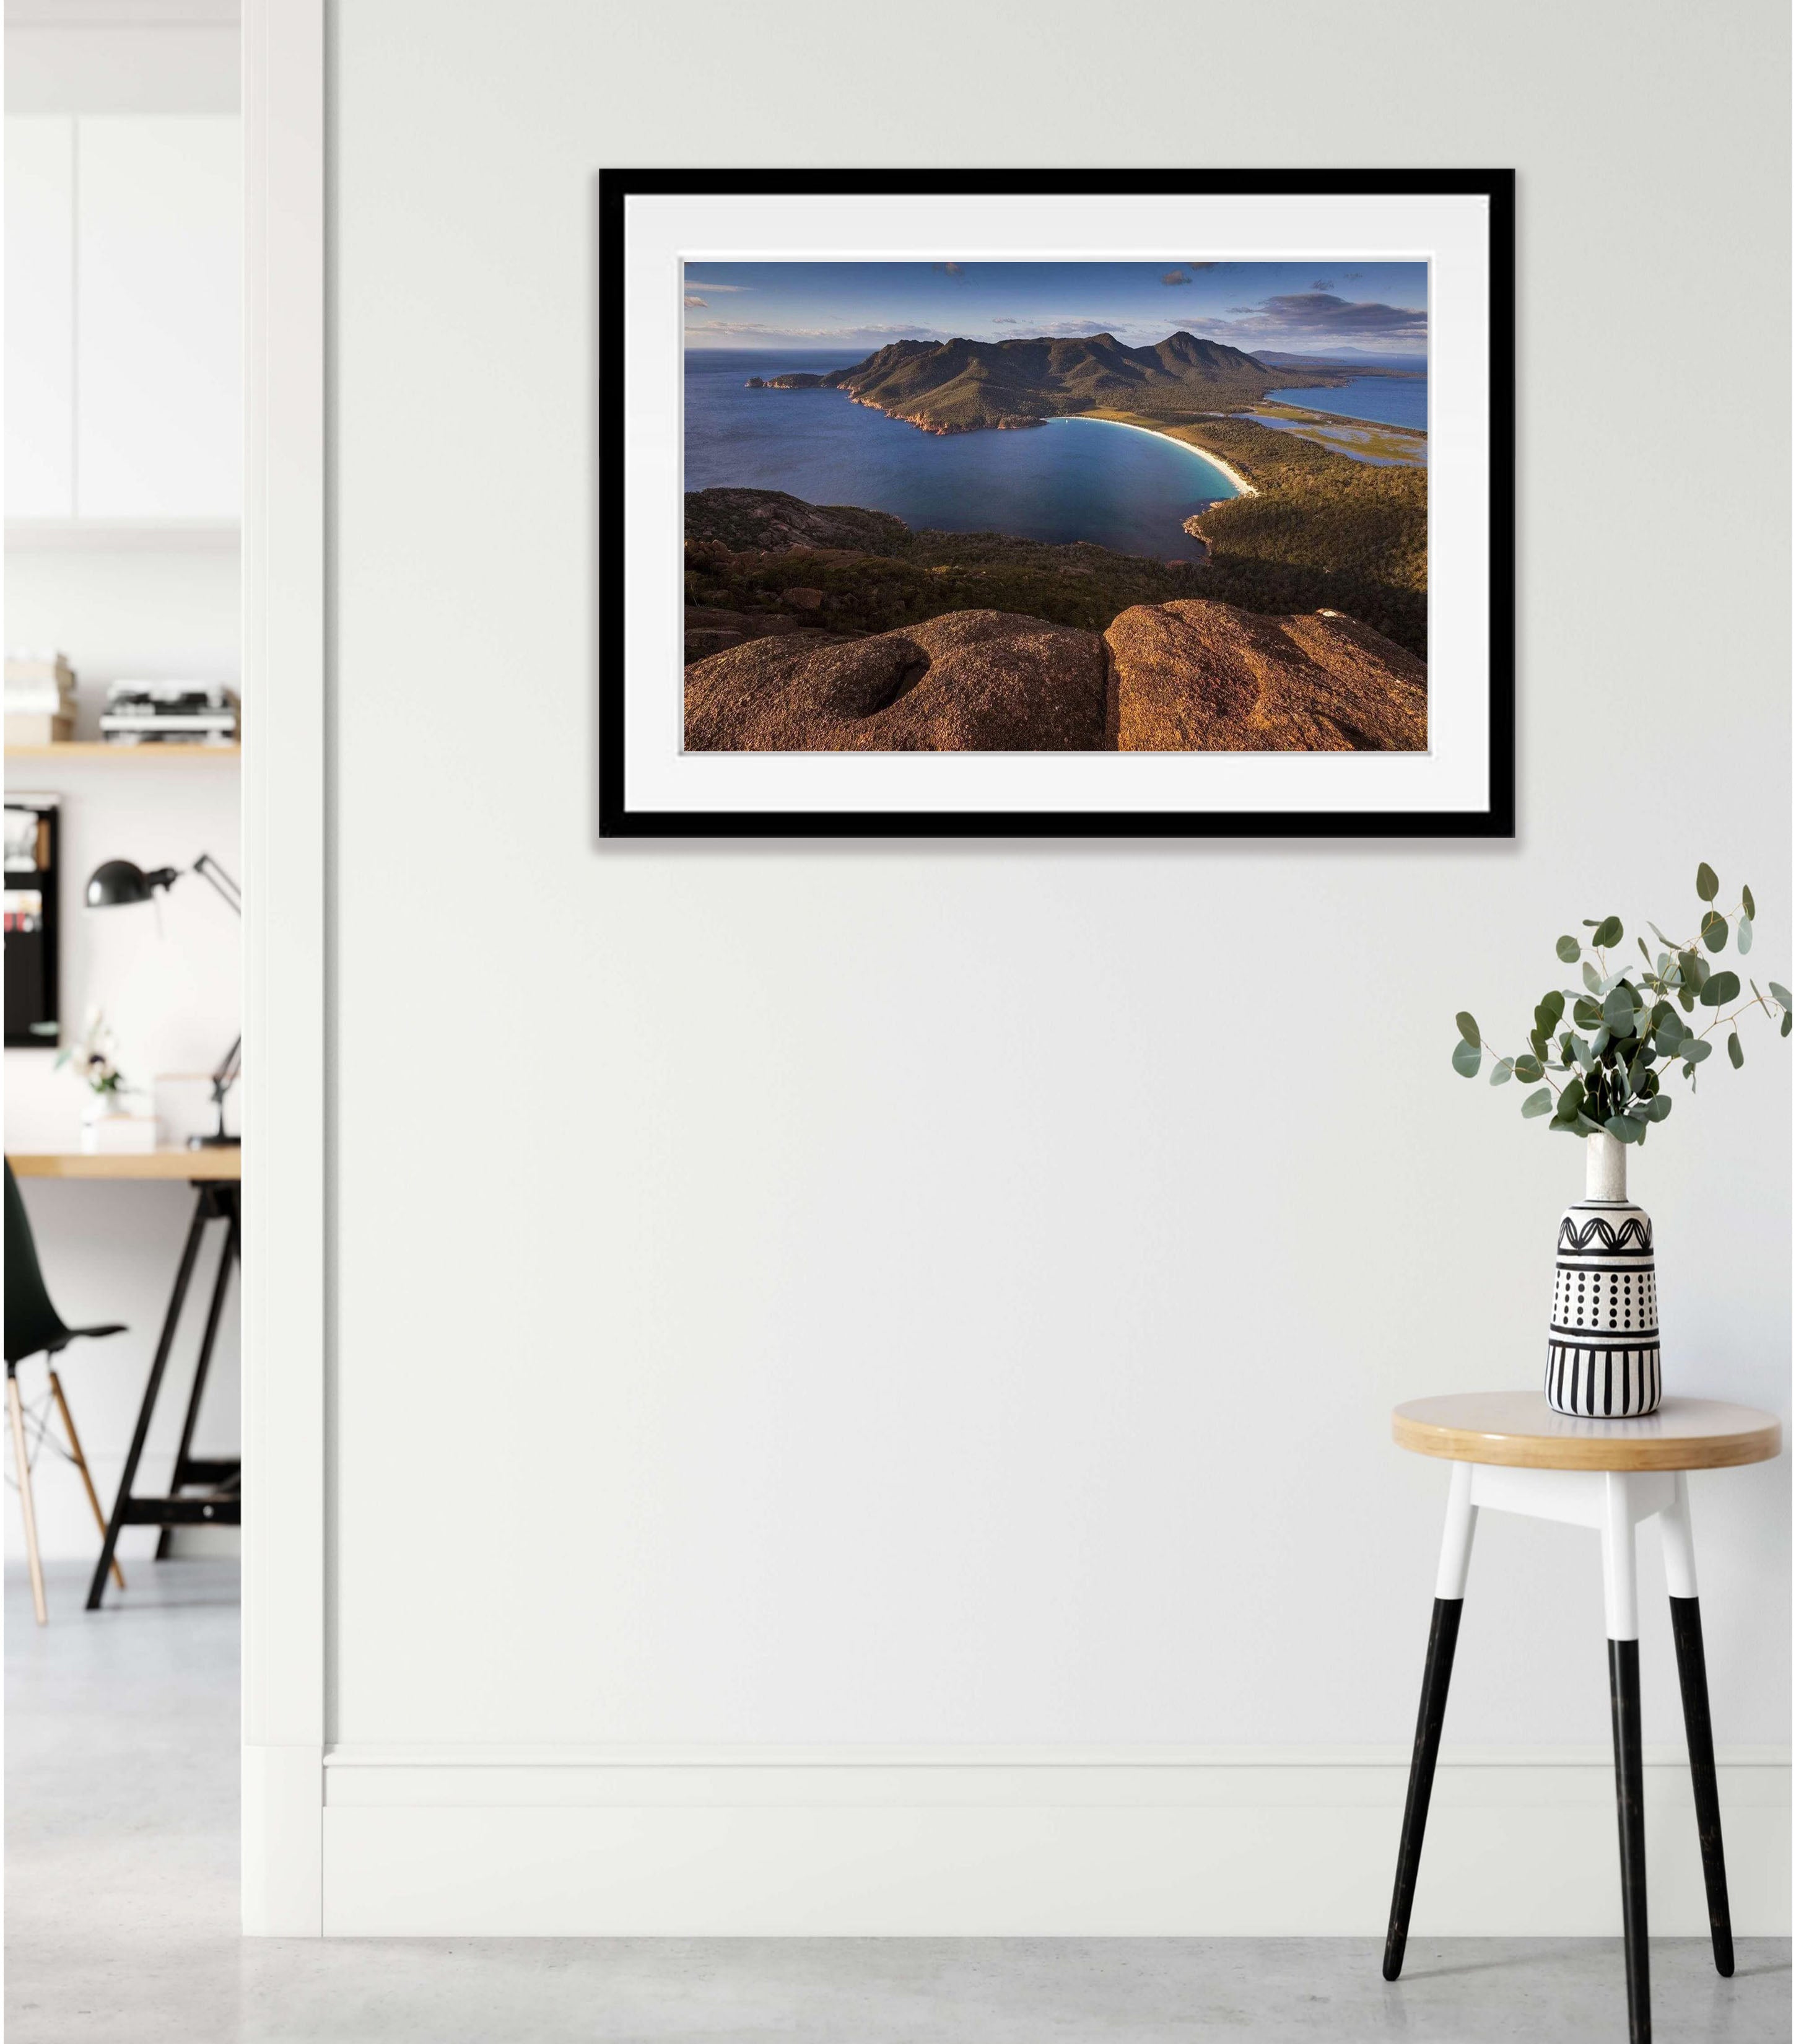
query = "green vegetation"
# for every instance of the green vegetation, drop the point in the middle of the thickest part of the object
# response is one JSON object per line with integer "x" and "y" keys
{"x": 1323, "y": 532}
{"x": 937, "y": 573}
{"x": 1615, "y": 1076}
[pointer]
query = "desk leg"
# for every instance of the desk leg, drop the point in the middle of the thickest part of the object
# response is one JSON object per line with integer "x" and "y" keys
{"x": 228, "y": 1256}
{"x": 202, "y": 1207}
{"x": 1693, "y": 1679}
{"x": 1621, "y": 1600}
{"x": 1437, "y": 1669}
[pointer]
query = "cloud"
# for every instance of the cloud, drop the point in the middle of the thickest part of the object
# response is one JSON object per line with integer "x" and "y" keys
{"x": 1322, "y": 284}
{"x": 1318, "y": 317}
{"x": 692, "y": 301}
{"x": 692, "y": 284}
{"x": 1200, "y": 266}
{"x": 950, "y": 269}
{"x": 1004, "y": 321}
{"x": 1176, "y": 277}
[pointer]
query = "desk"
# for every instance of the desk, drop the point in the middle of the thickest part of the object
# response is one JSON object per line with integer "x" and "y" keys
{"x": 215, "y": 1176}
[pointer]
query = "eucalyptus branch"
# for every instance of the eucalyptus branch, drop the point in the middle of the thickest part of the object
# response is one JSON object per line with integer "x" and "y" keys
{"x": 1614, "y": 1081}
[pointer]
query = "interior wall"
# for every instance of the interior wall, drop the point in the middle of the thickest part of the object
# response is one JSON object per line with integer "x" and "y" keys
{"x": 947, "y": 1294}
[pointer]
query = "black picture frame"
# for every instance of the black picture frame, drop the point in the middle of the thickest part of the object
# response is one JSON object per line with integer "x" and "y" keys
{"x": 1495, "y": 820}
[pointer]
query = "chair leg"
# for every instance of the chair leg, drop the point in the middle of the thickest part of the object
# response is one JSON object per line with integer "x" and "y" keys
{"x": 15, "y": 1414}
{"x": 81, "y": 1464}
{"x": 1436, "y": 1673}
{"x": 1699, "y": 1736}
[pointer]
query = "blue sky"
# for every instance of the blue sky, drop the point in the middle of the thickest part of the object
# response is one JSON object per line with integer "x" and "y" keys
{"x": 1300, "y": 308}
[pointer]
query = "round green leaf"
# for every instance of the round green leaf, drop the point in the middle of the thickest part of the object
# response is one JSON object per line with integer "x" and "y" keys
{"x": 1618, "y": 1011}
{"x": 1502, "y": 1071}
{"x": 1568, "y": 949}
{"x": 1746, "y": 903}
{"x": 1467, "y": 1028}
{"x": 1737, "y": 1057}
{"x": 1608, "y": 933}
{"x": 1593, "y": 979}
{"x": 1528, "y": 1069}
{"x": 1624, "y": 1129}
{"x": 1694, "y": 1050}
{"x": 1780, "y": 994}
{"x": 1743, "y": 933}
{"x": 1467, "y": 1058}
{"x": 1715, "y": 931}
{"x": 1586, "y": 1014}
{"x": 1785, "y": 1030}
{"x": 1707, "y": 885}
{"x": 1718, "y": 987}
{"x": 1668, "y": 1036}
{"x": 1537, "y": 1104}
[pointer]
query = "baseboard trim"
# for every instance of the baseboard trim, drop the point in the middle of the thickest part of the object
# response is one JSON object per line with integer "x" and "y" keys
{"x": 1234, "y": 1842}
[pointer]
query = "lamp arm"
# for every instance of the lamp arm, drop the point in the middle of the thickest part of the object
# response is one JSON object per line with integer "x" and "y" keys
{"x": 222, "y": 883}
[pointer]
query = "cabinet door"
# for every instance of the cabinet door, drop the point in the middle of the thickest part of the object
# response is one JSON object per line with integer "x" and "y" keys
{"x": 158, "y": 233}
{"x": 39, "y": 316}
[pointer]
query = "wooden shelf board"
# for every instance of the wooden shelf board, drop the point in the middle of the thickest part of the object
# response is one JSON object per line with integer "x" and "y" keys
{"x": 89, "y": 748}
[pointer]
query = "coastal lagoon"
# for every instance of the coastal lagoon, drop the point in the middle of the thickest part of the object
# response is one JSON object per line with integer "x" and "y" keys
{"x": 1388, "y": 400}
{"x": 1069, "y": 479}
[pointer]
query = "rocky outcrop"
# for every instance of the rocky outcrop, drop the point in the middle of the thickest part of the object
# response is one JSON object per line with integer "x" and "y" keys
{"x": 755, "y": 383}
{"x": 1191, "y": 676}
{"x": 771, "y": 521}
{"x": 975, "y": 680}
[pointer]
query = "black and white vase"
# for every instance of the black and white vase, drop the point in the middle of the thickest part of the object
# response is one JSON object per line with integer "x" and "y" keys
{"x": 1603, "y": 1348}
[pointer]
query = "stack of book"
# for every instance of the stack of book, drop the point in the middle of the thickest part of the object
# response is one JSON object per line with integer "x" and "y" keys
{"x": 40, "y": 699}
{"x": 170, "y": 713}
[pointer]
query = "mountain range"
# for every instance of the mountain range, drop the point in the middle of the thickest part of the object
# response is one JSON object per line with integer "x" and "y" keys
{"x": 960, "y": 387}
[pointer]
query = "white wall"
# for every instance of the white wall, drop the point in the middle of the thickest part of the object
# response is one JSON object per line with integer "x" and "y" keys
{"x": 939, "y": 1296}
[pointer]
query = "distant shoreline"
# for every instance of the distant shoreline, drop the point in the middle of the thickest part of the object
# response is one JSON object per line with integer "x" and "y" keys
{"x": 1240, "y": 482}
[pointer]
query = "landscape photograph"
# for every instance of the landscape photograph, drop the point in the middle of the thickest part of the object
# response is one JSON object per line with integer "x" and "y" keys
{"x": 1069, "y": 506}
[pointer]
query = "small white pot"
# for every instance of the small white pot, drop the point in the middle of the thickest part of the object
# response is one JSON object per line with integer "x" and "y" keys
{"x": 1603, "y": 1344}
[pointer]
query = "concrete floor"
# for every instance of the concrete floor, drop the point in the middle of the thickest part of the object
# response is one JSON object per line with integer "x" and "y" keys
{"x": 121, "y": 1902}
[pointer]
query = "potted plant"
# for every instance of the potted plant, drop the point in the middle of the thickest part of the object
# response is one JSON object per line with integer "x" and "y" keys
{"x": 109, "y": 1093}
{"x": 1600, "y": 1061}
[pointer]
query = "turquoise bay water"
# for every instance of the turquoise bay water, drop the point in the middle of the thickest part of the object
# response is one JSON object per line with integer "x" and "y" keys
{"x": 1070, "y": 479}
{"x": 1389, "y": 401}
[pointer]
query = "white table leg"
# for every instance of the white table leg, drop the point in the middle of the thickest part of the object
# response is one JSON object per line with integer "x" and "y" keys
{"x": 1620, "y": 1600}
{"x": 1436, "y": 1673}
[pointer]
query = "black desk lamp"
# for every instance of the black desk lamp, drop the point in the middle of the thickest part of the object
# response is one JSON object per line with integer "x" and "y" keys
{"x": 118, "y": 884}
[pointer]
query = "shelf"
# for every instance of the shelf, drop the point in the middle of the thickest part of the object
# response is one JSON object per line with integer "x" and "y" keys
{"x": 90, "y": 749}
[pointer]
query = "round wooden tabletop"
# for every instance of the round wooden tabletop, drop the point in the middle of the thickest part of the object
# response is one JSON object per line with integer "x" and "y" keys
{"x": 1520, "y": 1431}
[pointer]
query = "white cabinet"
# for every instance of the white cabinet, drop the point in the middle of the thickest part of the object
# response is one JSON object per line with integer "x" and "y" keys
{"x": 123, "y": 324}
{"x": 158, "y": 381}
{"x": 39, "y": 316}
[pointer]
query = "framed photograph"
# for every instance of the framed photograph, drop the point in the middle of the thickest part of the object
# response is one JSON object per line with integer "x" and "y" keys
{"x": 1057, "y": 504}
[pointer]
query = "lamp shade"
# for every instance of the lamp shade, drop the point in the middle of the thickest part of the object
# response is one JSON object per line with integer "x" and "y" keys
{"x": 118, "y": 884}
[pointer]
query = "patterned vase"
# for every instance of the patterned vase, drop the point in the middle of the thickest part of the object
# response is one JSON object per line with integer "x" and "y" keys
{"x": 1603, "y": 1348}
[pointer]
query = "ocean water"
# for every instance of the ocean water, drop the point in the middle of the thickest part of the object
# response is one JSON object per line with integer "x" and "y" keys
{"x": 1070, "y": 479}
{"x": 1390, "y": 401}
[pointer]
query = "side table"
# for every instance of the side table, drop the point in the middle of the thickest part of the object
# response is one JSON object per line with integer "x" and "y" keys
{"x": 1511, "y": 1452}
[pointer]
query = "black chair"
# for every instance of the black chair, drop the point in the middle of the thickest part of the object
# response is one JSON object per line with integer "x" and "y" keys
{"x": 35, "y": 1327}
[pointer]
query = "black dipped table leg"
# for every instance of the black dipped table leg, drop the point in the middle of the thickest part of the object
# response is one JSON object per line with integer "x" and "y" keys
{"x": 1693, "y": 1679}
{"x": 1436, "y": 1673}
{"x": 1630, "y": 1814}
